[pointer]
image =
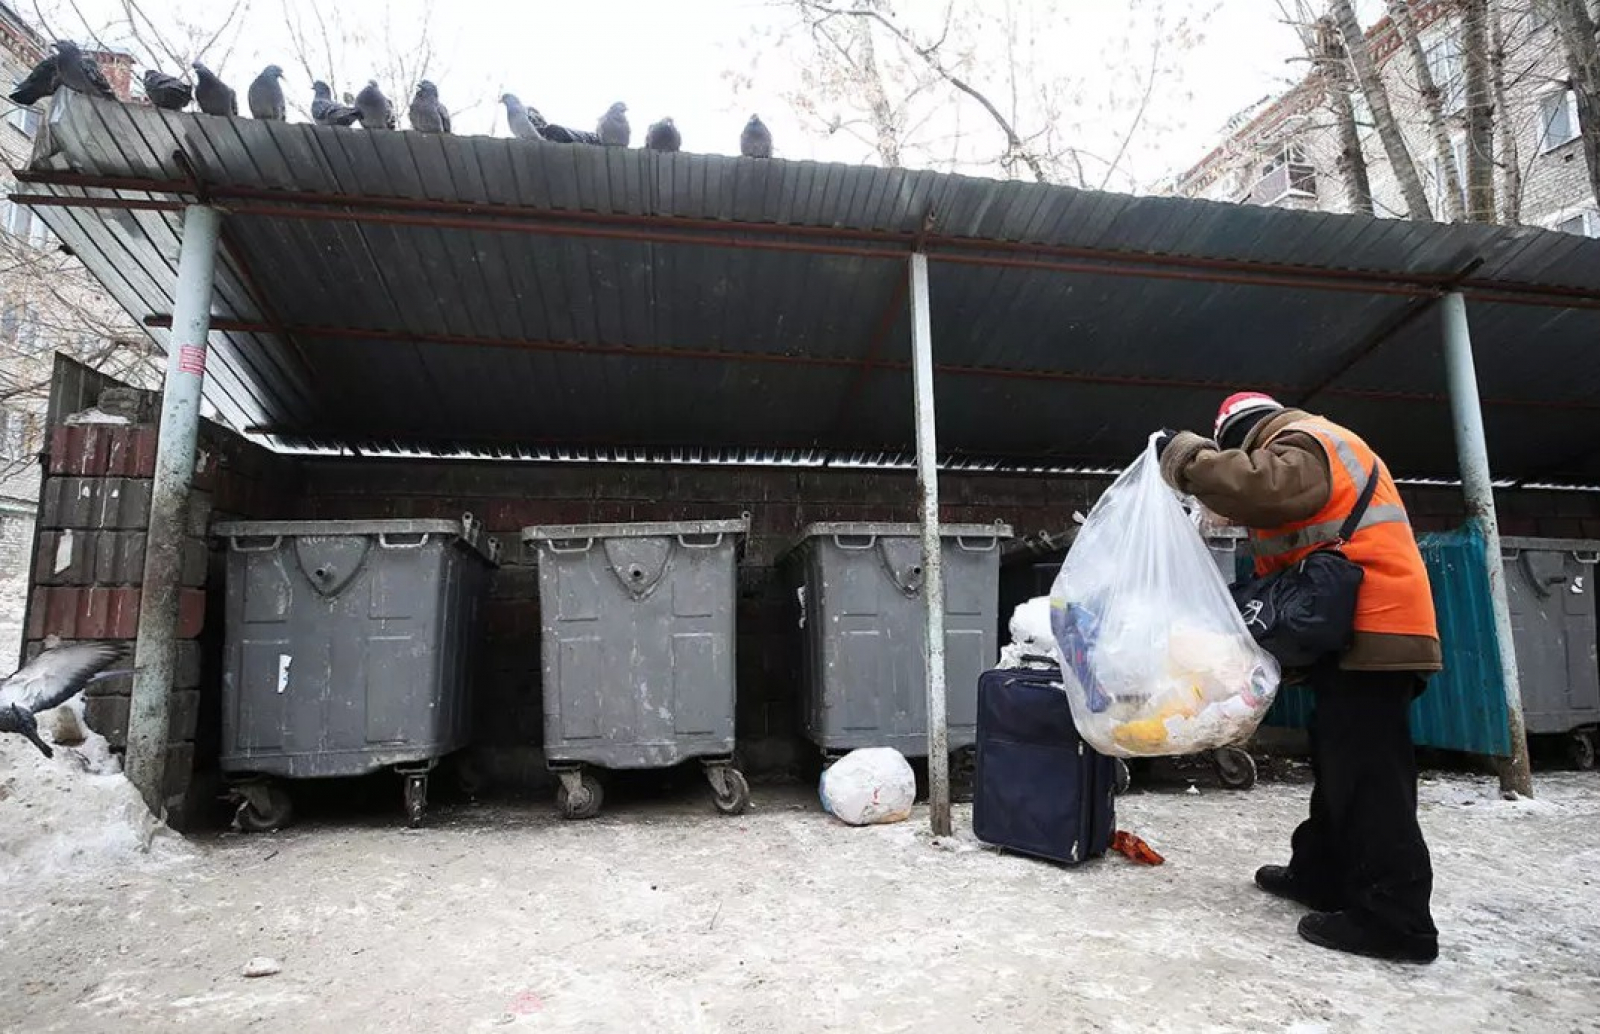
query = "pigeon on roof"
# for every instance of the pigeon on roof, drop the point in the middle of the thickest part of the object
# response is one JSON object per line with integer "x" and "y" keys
{"x": 80, "y": 72}
{"x": 166, "y": 91}
{"x": 266, "y": 95}
{"x": 40, "y": 83}
{"x": 756, "y": 140}
{"x": 663, "y": 136}
{"x": 214, "y": 96}
{"x": 325, "y": 111}
{"x": 613, "y": 129}
{"x": 427, "y": 114}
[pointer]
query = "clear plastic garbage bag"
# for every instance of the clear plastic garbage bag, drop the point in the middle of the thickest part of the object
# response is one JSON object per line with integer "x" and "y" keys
{"x": 1157, "y": 659}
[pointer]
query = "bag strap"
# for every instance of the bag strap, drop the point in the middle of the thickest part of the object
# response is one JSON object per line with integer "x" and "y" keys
{"x": 1352, "y": 523}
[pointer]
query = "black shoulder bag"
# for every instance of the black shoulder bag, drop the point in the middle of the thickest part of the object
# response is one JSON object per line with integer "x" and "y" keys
{"x": 1303, "y": 614}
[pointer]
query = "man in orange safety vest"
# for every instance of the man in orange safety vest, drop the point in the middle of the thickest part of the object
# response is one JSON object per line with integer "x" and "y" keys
{"x": 1359, "y": 861}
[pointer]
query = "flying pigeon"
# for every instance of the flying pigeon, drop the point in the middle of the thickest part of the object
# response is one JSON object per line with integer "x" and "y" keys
{"x": 79, "y": 72}
{"x": 427, "y": 114}
{"x": 613, "y": 128}
{"x": 266, "y": 95}
{"x": 214, "y": 96}
{"x": 376, "y": 111}
{"x": 663, "y": 136}
{"x": 328, "y": 113}
{"x": 165, "y": 91}
{"x": 50, "y": 680}
{"x": 756, "y": 140}
{"x": 41, "y": 83}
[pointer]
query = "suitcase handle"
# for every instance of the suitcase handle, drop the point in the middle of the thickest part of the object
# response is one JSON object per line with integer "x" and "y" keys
{"x": 1040, "y": 659}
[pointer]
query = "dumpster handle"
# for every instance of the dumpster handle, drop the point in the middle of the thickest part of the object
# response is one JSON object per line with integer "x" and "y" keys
{"x": 1586, "y": 558}
{"x": 555, "y": 547}
{"x": 237, "y": 543}
{"x": 843, "y": 541}
{"x": 715, "y": 540}
{"x": 985, "y": 543}
{"x": 388, "y": 541}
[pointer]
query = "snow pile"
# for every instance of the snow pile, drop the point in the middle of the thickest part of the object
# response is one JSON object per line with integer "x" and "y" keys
{"x": 73, "y": 812}
{"x": 1030, "y": 635}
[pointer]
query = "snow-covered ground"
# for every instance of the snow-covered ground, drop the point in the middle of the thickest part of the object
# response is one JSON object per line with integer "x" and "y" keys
{"x": 664, "y": 917}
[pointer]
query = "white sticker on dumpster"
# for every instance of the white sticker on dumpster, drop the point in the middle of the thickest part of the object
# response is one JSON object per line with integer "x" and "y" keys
{"x": 283, "y": 671}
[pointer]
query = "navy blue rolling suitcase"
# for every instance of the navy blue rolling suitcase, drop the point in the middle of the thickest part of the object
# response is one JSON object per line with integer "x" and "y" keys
{"x": 1039, "y": 789}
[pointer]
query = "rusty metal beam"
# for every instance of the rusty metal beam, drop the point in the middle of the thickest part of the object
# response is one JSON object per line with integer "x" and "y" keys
{"x": 838, "y": 362}
{"x": 897, "y": 243}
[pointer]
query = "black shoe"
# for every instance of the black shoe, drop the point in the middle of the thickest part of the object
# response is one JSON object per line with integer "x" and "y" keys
{"x": 1338, "y": 931}
{"x": 1279, "y": 881}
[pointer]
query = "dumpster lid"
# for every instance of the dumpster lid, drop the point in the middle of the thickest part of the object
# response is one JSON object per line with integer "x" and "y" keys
{"x": 859, "y": 529}
{"x": 467, "y": 530}
{"x": 639, "y": 530}
{"x": 1588, "y": 547}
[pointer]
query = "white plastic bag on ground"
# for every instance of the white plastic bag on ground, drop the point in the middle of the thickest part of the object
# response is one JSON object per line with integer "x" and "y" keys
{"x": 1031, "y": 637}
{"x": 870, "y": 785}
{"x": 1157, "y": 659}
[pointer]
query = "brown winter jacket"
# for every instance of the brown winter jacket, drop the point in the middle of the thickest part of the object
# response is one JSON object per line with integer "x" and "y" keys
{"x": 1285, "y": 482}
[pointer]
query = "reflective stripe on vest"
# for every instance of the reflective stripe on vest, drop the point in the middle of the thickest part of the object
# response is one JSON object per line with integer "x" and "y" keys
{"x": 1395, "y": 597}
{"x": 1328, "y": 531}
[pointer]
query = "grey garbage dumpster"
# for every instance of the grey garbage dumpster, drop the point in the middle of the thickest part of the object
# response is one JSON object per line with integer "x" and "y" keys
{"x": 349, "y": 649}
{"x": 1550, "y": 586}
{"x": 864, "y": 673}
{"x": 638, "y": 653}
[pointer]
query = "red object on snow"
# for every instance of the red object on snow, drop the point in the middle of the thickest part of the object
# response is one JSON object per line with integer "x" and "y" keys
{"x": 1135, "y": 849}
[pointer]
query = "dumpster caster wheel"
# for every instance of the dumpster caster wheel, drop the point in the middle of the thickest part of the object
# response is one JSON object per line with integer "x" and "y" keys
{"x": 730, "y": 790}
{"x": 1124, "y": 777}
{"x": 1581, "y": 750}
{"x": 1235, "y": 767}
{"x": 579, "y": 796}
{"x": 416, "y": 799}
{"x": 265, "y": 807}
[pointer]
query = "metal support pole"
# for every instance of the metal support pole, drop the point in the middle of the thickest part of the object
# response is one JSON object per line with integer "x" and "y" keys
{"x": 155, "y": 650}
{"x": 932, "y": 548}
{"x": 1473, "y": 452}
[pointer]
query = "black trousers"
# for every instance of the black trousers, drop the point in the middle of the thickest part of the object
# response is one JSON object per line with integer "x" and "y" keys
{"x": 1361, "y": 847}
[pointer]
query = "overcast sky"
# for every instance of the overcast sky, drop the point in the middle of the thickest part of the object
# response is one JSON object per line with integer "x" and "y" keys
{"x": 573, "y": 58}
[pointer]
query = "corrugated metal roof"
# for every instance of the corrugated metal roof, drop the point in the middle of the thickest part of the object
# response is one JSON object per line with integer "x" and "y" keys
{"x": 401, "y": 291}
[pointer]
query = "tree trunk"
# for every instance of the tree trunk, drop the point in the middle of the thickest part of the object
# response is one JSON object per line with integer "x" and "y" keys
{"x": 884, "y": 124}
{"x": 1433, "y": 101}
{"x": 1480, "y": 111}
{"x": 1577, "y": 28}
{"x": 1510, "y": 159}
{"x": 1394, "y": 144}
{"x": 1329, "y": 55}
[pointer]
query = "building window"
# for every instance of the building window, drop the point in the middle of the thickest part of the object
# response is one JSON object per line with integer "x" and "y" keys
{"x": 26, "y": 121}
{"x": 18, "y": 220}
{"x": 1583, "y": 224}
{"x": 1287, "y": 173}
{"x": 1444, "y": 61}
{"x": 13, "y": 434}
{"x": 1558, "y": 119}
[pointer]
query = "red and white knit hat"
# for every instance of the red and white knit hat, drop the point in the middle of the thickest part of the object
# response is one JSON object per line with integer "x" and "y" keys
{"x": 1236, "y": 406}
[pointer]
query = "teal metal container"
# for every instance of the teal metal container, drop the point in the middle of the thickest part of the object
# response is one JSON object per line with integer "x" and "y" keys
{"x": 1465, "y": 706}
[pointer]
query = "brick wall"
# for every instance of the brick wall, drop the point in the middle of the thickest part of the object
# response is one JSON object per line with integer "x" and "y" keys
{"x": 89, "y": 568}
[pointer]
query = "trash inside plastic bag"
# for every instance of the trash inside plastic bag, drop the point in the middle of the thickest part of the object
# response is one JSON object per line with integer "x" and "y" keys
{"x": 1033, "y": 643}
{"x": 871, "y": 785}
{"x": 1158, "y": 660}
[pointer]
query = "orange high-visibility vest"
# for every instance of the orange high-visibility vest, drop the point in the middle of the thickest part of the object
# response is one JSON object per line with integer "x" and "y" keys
{"x": 1395, "y": 596}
